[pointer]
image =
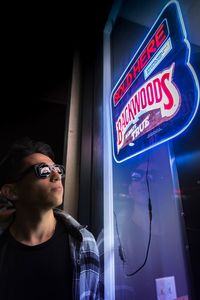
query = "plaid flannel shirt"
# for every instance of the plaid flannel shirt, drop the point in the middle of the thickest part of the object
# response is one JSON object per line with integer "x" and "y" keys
{"x": 84, "y": 255}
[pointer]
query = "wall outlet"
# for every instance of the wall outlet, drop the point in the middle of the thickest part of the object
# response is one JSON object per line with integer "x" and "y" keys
{"x": 166, "y": 288}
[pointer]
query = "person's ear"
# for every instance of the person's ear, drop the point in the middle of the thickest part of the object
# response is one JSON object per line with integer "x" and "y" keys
{"x": 8, "y": 191}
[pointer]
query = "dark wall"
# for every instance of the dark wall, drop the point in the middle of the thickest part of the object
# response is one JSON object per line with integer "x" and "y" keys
{"x": 40, "y": 120}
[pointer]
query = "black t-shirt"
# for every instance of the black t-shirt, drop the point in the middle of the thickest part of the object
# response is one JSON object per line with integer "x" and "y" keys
{"x": 37, "y": 272}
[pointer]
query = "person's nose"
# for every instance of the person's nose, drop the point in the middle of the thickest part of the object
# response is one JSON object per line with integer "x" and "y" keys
{"x": 54, "y": 176}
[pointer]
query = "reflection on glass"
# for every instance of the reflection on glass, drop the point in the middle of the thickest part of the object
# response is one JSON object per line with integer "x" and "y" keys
{"x": 147, "y": 238}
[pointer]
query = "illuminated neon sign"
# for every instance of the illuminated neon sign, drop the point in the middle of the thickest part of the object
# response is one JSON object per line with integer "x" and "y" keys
{"x": 157, "y": 96}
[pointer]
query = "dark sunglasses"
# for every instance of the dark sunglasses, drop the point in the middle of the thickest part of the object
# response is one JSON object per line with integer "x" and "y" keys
{"x": 43, "y": 170}
{"x": 139, "y": 174}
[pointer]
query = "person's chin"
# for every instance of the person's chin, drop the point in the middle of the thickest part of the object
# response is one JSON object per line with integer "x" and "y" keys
{"x": 53, "y": 203}
{"x": 58, "y": 202}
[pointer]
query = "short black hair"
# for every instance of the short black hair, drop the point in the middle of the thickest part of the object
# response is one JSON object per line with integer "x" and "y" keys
{"x": 11, "y": 163}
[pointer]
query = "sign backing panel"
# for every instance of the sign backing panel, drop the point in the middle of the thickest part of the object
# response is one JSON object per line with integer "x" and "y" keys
{"x": 157, "y": 96}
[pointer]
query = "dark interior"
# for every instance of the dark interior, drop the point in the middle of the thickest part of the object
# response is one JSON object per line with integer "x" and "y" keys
{"x": 38, "y": 44}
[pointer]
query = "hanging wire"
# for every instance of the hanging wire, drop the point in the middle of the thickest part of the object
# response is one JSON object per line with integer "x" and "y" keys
{"x": 121, "y": 249}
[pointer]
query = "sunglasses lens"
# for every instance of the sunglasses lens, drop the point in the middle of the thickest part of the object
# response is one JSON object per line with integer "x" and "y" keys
{"x": 44, "y": 170}
{"x": 136, "y": 176}
{"x": 140, "y": 174}
{"x": 59, "y": 169}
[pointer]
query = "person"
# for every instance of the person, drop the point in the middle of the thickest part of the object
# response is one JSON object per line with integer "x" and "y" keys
{"x": 137, "y": 230}
{"x": 44, "y": 252}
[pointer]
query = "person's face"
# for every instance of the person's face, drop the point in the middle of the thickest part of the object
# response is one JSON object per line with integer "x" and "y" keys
{"x": 140, "y": 178}
{"x": 41, "y": 193}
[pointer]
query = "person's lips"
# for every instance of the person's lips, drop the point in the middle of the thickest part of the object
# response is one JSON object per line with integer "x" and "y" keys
{"x": 57, "y": 189}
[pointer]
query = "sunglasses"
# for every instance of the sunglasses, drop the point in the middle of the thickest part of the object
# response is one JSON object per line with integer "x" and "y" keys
{"x": 138, "y": 175}
{"x": 43, "y": 170}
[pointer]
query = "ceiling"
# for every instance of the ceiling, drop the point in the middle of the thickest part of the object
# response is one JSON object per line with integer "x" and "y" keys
{"x": 38, "y": 40}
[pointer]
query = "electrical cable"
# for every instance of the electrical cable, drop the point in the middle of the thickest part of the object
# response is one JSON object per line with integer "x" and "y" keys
{"x": 121, "y": 249}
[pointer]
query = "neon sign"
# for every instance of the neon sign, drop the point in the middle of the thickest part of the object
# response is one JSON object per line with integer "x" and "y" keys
{"x": 157, "y": 96}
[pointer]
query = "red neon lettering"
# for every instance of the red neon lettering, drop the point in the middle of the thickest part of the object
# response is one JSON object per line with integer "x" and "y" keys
{"x": 129, "y": 79}
{"x": 136, "y": 104}
{"x": 119, "y": 132}
{"x": 151, "y": 48}
{"x": 143, "y": 59}
{"x": 150, "y": 95}
{"x": 158, "y": 93}
{"x": 169, "y": 105}
{"x": 155, "y": 42}
{"x": 119, "y": 94}
{"x": 143, "y": 98}
{"x": 130, "y": 112}
{"x": 123, "y": 121}
{"x": 126, "y": 115}
{"x": 123, "y": 88}
{"x": 136, "y": 69}
{"x": 160, "y": 35}
{"x": 157, "y": 90}
{"x": 116, "y": 97}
